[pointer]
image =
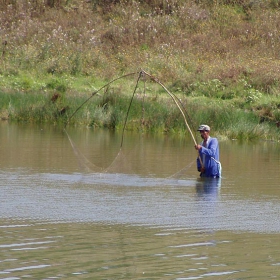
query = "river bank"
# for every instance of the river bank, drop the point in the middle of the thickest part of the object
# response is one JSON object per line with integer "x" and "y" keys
{"x": 219, "y": 58}
{"x": 144, "y": 106}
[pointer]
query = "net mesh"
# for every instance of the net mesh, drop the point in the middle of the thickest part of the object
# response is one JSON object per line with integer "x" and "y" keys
{"x": 121, "y": 163}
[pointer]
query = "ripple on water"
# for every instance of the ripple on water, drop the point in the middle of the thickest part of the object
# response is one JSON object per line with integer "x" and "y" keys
{"x": 150, "y": 201}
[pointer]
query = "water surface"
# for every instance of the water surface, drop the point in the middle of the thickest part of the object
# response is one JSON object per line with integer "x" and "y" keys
{"x": 87, "y": 210}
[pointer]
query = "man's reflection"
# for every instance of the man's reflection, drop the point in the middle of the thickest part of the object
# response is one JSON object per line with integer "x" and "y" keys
{"x": 208, "y": 188}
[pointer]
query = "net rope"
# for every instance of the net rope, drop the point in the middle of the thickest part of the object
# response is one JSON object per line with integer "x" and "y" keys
{"x": 121, "y": 164}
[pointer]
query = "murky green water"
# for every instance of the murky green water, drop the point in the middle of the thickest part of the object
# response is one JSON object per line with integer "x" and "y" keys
{"x": 61, "y": 217}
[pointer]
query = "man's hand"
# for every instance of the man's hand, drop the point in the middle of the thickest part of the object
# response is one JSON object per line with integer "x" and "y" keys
{"x": 198, "y": 147}
{"x": 201, "y": 169}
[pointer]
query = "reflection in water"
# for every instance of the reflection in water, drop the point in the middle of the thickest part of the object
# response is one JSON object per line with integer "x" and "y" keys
{"x": 57, "y": 222}
{"x": 208, "y": 188}
{"x": 116, "y": 198}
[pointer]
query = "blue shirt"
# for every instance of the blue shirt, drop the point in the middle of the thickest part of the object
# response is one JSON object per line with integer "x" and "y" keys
{"x": 210, "y": 158}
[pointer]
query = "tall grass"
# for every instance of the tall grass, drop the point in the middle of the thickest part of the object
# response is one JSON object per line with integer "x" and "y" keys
{"x": 221, "y": 57}
{"x": 177, "y": 40}
{"x": 148, "y": 113}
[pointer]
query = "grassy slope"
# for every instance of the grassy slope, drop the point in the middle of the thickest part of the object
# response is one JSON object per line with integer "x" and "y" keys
{"x": 222, "y": 60}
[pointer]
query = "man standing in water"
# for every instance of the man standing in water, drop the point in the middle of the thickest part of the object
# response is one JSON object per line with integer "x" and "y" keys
{"x": 208, "y": 160}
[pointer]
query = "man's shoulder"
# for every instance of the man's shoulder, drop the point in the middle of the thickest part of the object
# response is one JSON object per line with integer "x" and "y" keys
{"x": 213, "y": 139}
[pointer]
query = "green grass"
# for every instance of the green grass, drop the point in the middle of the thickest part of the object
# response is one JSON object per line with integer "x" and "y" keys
{"x": 220, "y": 57}
{"x": 152, "y": 110}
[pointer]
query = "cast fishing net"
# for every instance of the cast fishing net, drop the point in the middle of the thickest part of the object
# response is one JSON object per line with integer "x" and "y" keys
{"x": 121, "y": 164}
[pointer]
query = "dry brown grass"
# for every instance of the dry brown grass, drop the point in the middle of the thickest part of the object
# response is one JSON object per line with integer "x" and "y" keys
{"x": 176, "y": 40}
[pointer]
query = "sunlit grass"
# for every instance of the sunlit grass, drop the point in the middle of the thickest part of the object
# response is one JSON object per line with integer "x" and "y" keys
{"x": 221, "y": 58}
{"x": 175, "y": 40}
